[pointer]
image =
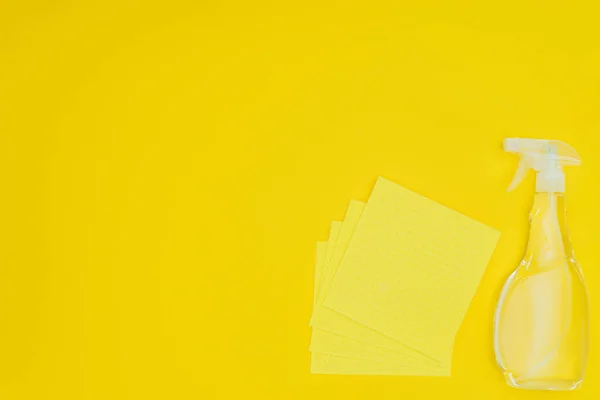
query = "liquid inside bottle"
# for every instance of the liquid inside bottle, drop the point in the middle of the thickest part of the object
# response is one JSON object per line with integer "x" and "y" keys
{"x": 541, "y": 332}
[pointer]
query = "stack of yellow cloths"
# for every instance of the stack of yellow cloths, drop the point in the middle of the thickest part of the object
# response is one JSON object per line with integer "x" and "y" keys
{"x": 393, "y": 283}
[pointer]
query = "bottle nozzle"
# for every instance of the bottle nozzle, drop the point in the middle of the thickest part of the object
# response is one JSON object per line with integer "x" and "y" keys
{"x": 511, "y": 145}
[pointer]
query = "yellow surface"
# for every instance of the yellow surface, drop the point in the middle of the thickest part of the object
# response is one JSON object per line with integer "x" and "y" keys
{"x": 335, "y": 334}
{"x": 411, "y": 269}
{"x": 166, "y": 169}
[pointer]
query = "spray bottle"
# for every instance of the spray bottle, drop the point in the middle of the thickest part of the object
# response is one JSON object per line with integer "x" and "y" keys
{"x": 541, "y": 332}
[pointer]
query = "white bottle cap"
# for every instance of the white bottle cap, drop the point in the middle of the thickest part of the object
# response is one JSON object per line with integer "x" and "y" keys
{"x": 547, "y": 181}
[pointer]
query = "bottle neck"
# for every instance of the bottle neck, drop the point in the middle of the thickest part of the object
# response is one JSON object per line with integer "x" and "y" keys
{"x": 549, "y": 242}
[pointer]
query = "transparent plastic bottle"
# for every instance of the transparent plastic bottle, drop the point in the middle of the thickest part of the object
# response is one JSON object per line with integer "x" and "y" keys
{"x": 541, "y": 332}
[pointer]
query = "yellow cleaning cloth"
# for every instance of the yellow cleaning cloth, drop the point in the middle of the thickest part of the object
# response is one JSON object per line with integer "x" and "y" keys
{"x": 319, "y": 267}
{"x": 389, "y": 354}
{"x": 336, "y": 250}
{"x": 330, "y": 355}
{"x": 411, "y": 269}
{"x": 322, "y": 364}
{"x": 334, "y": 234}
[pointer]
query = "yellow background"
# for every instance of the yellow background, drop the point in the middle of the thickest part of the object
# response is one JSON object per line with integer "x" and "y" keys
{"x": 167, "y": 167}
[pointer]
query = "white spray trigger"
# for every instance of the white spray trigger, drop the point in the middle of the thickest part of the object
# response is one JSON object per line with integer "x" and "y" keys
{"x": 520, "y": 174}
{"x": 547, "y": 157}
